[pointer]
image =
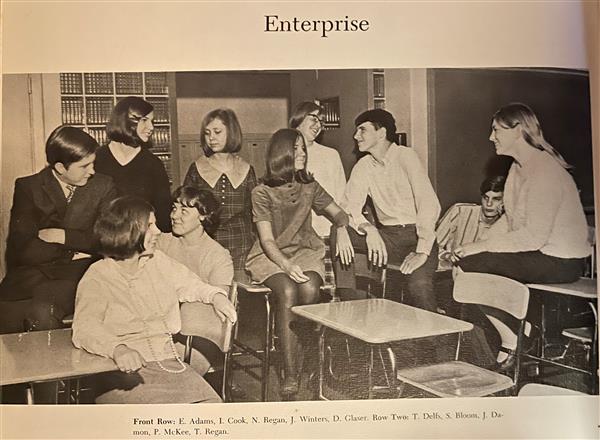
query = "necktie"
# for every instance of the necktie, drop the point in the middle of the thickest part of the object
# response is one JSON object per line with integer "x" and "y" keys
{"x": 71, "y": 191}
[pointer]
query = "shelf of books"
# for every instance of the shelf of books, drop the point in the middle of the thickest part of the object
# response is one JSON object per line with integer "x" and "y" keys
{"x": 87, "y": 100}
{"x": 378, "y": 88}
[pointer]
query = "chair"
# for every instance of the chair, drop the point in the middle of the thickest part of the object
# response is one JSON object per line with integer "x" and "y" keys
{"x": 264, "y": 353}
{"x": 461, "y": 379}
{"x": 200, "y": 320}
{"x": 538, "y": 389}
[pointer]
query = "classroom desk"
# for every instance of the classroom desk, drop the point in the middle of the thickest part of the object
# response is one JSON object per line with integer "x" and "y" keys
{"x": 45, "y": 356}
{"x": 584, "y": 288}
{"x": 377, "y": 322}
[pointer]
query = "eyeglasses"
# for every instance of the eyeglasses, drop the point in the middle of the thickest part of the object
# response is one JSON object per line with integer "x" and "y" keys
{"x": 314, "y": 119}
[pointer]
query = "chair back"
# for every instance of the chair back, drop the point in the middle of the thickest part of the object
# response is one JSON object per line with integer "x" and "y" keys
{"x": 199, "y": 319}
{"x": 494, "y": 291}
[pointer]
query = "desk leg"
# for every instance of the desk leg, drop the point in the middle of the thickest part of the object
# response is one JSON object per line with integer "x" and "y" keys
{"x": 392, "y": 356}
{"x": 370, "y": 378}
{"x": 321, "y": 362}
{"x": 29, "y": 394}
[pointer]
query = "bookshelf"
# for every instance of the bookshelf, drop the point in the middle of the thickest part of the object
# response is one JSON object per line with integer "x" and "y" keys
{"x": 331, "y": 112}
{"x": 87, "y": 100}
{"x": 378, "y": 88}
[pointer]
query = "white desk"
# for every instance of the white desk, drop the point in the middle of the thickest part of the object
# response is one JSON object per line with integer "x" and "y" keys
{"x": 46, "y": 356}
{"x": 377, "y": 322}
{"x": 584, "y": 288}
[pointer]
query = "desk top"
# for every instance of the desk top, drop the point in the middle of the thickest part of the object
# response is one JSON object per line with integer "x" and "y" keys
{"x": 379, "y": 321}
{"x": 583, "y": 287}
{"x": 46, "y": 355}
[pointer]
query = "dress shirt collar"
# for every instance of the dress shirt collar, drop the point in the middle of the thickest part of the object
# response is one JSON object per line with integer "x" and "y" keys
{"x": 66, "y": 188}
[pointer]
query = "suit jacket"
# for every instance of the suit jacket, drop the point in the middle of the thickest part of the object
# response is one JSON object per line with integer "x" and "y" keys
{"x": 40, "y": 203}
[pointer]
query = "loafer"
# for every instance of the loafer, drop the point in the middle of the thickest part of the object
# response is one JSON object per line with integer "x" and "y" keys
{"x": 508, "y": 364}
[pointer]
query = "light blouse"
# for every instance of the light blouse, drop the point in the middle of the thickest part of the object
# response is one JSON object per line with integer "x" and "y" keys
{"x": 113, "y": 307}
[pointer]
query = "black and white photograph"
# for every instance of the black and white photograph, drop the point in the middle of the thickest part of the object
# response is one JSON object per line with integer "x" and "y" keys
{"x": 400, "y": 240}
{"x": 330, "y": 234}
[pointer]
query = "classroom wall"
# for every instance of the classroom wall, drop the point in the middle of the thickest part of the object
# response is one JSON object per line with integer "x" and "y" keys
{"x": 462, "y": 103}
{"x": 30, "y": 111}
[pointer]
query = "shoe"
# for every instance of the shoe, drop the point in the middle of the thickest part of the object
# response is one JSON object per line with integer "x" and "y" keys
{"x": 508, "y": 364}
{"x": 290, "y": 386}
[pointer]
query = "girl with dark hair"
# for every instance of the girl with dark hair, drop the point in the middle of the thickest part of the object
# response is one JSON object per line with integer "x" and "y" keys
{"x": 127, "y": 309}
{"x": 127, "y": 159}
{"x": 288, "y": 257}
{"x": 229, "y": 178}
{"x": 193, "y": 217}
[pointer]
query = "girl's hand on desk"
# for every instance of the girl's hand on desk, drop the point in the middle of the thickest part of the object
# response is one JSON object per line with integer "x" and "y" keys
{"x": 127, "y": 359}
{"x": 295, "y": 272}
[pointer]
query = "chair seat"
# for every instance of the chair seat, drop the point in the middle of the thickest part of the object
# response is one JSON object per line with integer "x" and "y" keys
{"x": 583, "y": 334}
{"x": 538, "y": 389}
{"x": 455, "y": 379}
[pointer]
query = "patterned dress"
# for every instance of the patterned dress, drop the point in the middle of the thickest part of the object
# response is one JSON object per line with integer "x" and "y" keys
{"x": 233, "y": 191}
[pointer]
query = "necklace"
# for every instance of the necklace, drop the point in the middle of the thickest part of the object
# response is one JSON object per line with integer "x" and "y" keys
{"x": 149, "y": 342}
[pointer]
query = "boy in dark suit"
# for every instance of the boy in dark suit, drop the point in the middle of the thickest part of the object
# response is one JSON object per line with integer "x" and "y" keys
{"x": 49, "y": 244}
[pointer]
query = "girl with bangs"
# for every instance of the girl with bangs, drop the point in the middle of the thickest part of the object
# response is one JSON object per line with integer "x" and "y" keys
{"x": 223, "y": 172}
{"x": 127, "y": 309}
{"x": 128, "y": 160}
{"x": 288, "y": 257}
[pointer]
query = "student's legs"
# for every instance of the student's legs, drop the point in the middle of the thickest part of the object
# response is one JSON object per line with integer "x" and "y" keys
{"x": 401, "y": 241}
{"x": 285, "y": 295}
{"x": 525, "y": 267}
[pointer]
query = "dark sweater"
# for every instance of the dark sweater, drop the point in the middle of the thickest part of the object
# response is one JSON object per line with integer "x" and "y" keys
{"x": 144, "y": 176}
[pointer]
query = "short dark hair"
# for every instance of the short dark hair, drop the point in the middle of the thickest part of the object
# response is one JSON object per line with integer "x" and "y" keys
{"x": 300, "y": 112}
{"x": 68, "y": 145}
{"x": 124, "y": 119}
{"x": 234, "y": 131}
{"x": 380, "y": 118}
{"x": 204, "y": 201}
{"x": 121, "y": 227}
{"x": 493, "y": 183}
{"x": 280, "y": 159}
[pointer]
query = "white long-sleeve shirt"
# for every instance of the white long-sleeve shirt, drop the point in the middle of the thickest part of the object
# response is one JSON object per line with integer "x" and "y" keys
{"x": 400, "y": 190}
{"x": 543, "y": 209}
{"x": 326, "y": 167}
{"x": 111, "y": 306}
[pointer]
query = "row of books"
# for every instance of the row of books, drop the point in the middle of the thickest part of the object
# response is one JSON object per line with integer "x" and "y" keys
{"x": 378, "y": 85}
{"x": 331, "y": 112}
{"x": 119, "y": 83}
{"x": 161, "y": 138}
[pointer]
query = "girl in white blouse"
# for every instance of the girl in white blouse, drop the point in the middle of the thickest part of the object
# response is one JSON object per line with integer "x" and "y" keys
{"x": 127, "y": 309}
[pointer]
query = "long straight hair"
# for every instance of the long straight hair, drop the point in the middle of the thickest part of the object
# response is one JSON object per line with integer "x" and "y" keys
{"x": 280, "y": 159}
{"x": 517, "y": 113}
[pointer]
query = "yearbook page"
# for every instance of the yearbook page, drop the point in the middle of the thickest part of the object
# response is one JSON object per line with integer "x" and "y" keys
{"x": 423, "y": 121}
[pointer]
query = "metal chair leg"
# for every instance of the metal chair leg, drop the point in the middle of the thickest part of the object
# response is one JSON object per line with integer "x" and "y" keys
{"x": 267, "y": 352}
